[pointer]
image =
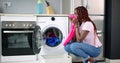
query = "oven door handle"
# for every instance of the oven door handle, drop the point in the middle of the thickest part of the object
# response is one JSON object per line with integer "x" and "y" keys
{"x": 17, "y": 31}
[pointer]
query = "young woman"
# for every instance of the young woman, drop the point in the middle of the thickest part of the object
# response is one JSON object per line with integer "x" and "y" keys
{"x": 87, "y": 44}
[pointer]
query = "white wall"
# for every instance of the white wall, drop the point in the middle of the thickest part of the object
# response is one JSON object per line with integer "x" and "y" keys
{"x": 26, "y": 6}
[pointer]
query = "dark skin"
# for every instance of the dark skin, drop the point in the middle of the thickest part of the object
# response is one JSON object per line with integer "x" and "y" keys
{"x": 80, "y": 36}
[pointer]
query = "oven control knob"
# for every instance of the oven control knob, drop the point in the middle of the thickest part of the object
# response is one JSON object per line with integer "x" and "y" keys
{"x": 9, "y": 24}
{"x": 30, "y": 24}
{"x": 6, "y": 25}
{"x": 27, "y": 25}
{"x": 24, "y": 25}
{"x": 13, "y": 25}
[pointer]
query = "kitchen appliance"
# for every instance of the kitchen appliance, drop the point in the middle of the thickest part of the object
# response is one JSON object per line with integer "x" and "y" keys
{"x": 17, "y": 44}
{"x": 55, "y": 27}
{"x": 112, "y": 31}
{"x": 54, "y": 30}
{"x": 96, "y": 13}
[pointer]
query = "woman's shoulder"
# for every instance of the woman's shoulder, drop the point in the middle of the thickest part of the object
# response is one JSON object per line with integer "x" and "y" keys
{"x": 88, "y": 23}
{"x": 87, "y": 26}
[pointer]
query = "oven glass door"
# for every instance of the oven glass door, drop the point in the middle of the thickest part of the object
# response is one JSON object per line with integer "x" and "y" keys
{"x": 17, "y": 42}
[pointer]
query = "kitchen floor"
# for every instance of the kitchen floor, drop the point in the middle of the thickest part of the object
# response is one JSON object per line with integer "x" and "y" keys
{"x": 98, "y": 62}
{"x": 82, "y": 62}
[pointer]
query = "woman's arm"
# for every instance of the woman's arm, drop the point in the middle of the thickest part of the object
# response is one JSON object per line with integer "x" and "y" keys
{"x": 81, "y": 36}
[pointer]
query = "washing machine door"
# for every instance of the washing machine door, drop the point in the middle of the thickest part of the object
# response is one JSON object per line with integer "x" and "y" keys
{"x": 52, "y": 36}
{"x": 37, "y": 39}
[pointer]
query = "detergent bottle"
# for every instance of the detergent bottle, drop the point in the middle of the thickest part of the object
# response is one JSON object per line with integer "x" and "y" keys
{"x": 40, "y": 7}
{"x": 49, "y": 9}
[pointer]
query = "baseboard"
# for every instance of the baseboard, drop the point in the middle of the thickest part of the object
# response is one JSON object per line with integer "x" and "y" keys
{"x": 112, "y": 61}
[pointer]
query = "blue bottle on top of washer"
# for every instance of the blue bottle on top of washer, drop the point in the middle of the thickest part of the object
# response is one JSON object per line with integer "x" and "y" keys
{"x": 39, "y": 7}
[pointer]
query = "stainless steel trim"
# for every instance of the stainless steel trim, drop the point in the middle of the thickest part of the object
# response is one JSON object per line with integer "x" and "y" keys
{"x": 99, "y": 31}
{"x": 96, "y": 14}
{"x": 18, "y": 31}
{"x": 99, "y": 35}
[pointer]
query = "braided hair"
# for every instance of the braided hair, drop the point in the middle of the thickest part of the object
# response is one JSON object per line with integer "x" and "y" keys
{"x": 83, "y": 16}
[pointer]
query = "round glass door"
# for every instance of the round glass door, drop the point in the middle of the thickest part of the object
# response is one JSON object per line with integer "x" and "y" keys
{"x": 52, "y": 36}
{"x": 37, "y": 39}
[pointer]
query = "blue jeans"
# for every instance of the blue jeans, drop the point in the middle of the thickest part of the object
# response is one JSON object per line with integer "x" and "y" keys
{"x": 82, "y": 50}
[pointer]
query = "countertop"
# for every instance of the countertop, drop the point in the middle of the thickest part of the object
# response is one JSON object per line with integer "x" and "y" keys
{"x": 2, "y": 14}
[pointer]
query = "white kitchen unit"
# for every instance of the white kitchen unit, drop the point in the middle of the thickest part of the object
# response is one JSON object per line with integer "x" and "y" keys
{"x": 16, "y": 39}
{"x": 54, "y": 30}
{"x": 19, "y": 39}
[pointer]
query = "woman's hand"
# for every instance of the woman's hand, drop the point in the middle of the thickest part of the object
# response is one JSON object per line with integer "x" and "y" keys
{"x": 71, "y": 17}
{"x": 75, "y": 21}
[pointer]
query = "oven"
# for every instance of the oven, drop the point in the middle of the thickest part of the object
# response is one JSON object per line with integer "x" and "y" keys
{"x": 17, "y": 40}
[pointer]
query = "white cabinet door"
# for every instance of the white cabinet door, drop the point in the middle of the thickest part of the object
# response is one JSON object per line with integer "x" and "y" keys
{"x": 93, "y": 6}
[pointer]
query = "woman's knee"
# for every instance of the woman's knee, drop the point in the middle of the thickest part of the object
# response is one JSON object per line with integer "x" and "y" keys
{"x": 67, "y": 48}
{"x": 76, "y": 45}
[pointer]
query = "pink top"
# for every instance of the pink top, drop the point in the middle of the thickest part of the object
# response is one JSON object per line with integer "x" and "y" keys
{"x": 91, "y": 38}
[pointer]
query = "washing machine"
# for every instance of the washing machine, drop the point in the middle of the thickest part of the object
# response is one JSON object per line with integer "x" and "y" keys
{"x": 53, "y": 30}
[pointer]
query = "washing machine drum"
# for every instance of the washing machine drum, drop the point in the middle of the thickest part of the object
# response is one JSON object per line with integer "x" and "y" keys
{"x": 37, "y": 40}
{"x": 52, "y": 41}
{"x": 53, "y": 36}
